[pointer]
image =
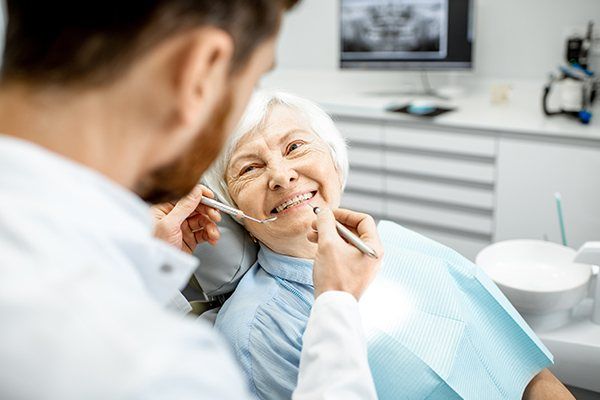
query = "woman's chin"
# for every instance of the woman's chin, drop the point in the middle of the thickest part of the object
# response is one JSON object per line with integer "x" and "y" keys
{"x": 291, "y": 227}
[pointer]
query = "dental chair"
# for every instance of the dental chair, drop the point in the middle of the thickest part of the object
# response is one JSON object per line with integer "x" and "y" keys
{"x": 220, "y": 270}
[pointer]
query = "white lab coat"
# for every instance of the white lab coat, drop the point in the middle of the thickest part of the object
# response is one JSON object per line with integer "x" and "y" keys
{"x": 83, "y": 290}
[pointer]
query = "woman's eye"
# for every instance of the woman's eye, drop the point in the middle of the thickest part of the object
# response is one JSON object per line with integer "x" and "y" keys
{"x": 247, "y": 169}
{"x": 293, "y": 146}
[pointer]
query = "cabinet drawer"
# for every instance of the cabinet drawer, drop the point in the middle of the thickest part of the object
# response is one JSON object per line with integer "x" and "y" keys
{"x": 365, "y": 157}
{"x": 361, "y": 131}
{"x": 443, "y": 218}
{"x": 360, "y": 180}
{"x": 373, "y": 205}
{"x": 444, "y": 141}
{"x": 440, "y": 167}
{"x": 440, "y": 192}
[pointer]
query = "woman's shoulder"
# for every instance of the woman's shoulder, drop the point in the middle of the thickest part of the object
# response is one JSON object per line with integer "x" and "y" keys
{"x": 264, "y": 332}
{"x": 253, "y": 293}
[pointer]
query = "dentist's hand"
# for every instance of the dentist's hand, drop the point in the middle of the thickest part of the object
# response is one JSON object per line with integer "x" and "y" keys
{"x": 187, "y": 223}
{"x": 339, "y": 265}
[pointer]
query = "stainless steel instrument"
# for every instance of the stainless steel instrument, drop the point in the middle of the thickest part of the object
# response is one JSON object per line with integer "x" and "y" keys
{"x": 232, "y": 210}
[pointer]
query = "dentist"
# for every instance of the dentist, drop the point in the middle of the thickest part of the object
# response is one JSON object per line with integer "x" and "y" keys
{"x": 104, "y": 104}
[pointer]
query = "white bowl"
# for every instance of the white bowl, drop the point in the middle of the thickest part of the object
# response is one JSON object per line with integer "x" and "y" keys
{"x": 537, "y": 277}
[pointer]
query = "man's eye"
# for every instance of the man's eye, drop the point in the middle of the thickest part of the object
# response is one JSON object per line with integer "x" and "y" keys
{"x": 293, "y": 146}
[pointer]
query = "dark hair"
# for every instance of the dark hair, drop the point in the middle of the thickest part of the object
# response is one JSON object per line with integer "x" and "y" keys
{"x": 93, "y": 42}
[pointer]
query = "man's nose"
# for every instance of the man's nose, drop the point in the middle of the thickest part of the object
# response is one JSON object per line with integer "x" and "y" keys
{"x": 283, "y": 176}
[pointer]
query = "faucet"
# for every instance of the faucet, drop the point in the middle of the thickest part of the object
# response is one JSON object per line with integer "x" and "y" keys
{"x": 589, "y": 253}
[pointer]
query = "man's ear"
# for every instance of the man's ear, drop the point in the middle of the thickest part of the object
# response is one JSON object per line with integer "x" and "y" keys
{"x": 201, "y": 74}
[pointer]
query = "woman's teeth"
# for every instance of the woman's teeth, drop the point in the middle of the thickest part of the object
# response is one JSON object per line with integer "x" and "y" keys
{"x": 296, "y": 200}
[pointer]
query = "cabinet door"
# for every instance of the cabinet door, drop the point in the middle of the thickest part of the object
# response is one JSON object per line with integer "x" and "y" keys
{"x": 365, "y": 185}
{"x": 441, "y": 183}
{"x": 360, "y": 131}
{"x": 528, "y": 176}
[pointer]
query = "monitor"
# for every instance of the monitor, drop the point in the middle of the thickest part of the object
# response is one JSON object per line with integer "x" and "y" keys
{"x": 406, "y": 34}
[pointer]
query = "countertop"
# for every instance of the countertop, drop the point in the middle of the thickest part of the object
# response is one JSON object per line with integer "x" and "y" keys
{"x": 355, "y": 96}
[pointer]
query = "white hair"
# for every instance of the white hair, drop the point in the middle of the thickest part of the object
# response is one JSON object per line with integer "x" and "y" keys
{"x": 255, "y": 115}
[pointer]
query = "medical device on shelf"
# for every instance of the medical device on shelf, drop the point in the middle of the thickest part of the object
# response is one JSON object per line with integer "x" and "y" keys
{"x": 577, "y": 84}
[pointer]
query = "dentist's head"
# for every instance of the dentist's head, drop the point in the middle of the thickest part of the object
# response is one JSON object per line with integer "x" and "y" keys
{"x": 144, "y": 91}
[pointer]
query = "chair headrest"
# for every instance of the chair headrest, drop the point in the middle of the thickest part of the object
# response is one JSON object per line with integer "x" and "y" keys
{"x": 223, "y": 265}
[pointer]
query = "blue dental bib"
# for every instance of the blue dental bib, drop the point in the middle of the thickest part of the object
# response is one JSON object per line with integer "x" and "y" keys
{"x": 438, "y": 328}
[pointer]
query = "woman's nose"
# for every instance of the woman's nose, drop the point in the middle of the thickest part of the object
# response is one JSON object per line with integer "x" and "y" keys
{"x": 282, "y": 177}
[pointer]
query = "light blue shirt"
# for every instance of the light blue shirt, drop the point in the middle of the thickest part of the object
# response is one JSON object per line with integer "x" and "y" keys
{"x": 265, "y": 319}
{"x": 436, "y": 326}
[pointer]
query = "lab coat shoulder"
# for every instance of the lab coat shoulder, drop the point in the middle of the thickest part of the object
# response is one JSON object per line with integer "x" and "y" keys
{"x": 82, "y": 345}
{"x": 334, "y": 363}
{"x": 79, "y": 331}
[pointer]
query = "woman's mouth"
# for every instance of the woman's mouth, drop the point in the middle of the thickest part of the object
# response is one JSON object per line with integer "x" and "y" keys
{"x": 293, "y": 202}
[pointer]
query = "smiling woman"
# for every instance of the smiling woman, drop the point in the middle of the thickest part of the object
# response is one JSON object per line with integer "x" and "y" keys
{"x": 285, "y": 153}
{"x": 455, "y": 344}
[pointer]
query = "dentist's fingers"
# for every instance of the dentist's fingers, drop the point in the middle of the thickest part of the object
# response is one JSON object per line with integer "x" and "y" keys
{"x": 325, "y": 226}
{"x": 203, "y": 227}
{"x": 213, "y": 214}
{"x": 188, "y": 237}
{"x": 199, "y": 222}
{"x": 187, "y": 205}
{"x": 339, "y": 265}
{"x": 205, "y": 236}
{"x": 351, "y": 218}
{"x": 363, "y": 225}
{"x": 195, "y": 232}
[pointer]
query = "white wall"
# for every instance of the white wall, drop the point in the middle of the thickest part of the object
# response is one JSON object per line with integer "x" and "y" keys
{"x": 514, "y": 38}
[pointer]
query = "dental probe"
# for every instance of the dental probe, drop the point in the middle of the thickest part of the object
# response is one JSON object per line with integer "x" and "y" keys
{"x": 232, "y": 211}
{"x": 350, "y": 236}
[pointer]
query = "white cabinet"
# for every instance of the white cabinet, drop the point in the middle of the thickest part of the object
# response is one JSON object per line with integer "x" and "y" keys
{"x": 439, "y": 182}
{"x": 439, "y": 166}
{"x": 529, "y": 173}
{"x": 468, "y": 189}
{"x": 366, "y": 182}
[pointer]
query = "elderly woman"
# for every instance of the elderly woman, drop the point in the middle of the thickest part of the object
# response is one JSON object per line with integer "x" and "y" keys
{"x": 287, "y": 154}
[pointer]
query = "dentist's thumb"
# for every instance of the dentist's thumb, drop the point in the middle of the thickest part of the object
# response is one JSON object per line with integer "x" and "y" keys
{"x": 325, "y": 226}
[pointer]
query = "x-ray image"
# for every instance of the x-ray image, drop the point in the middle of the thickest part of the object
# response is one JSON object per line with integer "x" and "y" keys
{"x": 394, "y": 28}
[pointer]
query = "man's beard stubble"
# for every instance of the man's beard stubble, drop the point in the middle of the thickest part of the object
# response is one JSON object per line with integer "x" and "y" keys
{"x": 174, "y": 181}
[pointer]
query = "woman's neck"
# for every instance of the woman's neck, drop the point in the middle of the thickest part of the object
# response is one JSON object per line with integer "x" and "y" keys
{"x": 299, "y": 248}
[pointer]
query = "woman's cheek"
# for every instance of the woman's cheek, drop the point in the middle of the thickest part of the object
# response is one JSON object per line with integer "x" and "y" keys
{"x": 233, "y": 189}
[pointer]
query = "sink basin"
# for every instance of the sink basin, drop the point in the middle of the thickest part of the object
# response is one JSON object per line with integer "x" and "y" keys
{"x": 539, "y": 278}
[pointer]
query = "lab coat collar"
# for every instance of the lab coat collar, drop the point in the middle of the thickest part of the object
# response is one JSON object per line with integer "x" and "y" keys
{"x": 87, "y": 201}
{"x": 286, "y": 267}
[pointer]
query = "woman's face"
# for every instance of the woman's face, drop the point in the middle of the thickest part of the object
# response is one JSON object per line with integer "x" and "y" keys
{"x": 276, "y": 171}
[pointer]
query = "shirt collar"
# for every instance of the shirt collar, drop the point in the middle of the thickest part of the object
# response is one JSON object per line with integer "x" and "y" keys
{"x": 286, "y": 267}
{"x": 93, "y": 204}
